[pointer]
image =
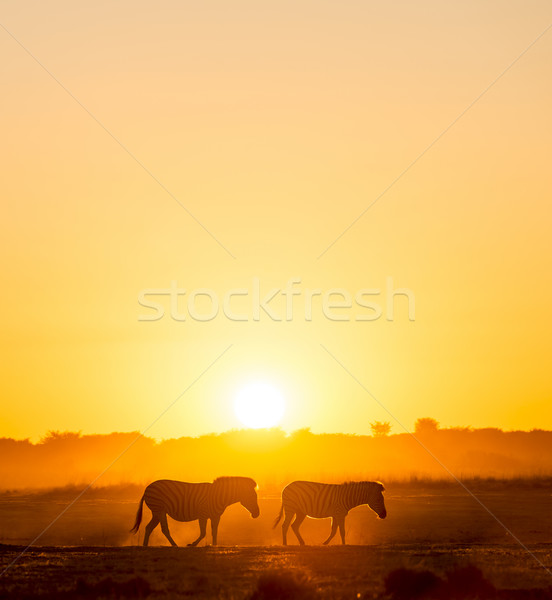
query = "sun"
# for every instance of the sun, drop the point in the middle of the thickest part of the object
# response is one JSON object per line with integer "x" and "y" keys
{"x": 259, "y": 405}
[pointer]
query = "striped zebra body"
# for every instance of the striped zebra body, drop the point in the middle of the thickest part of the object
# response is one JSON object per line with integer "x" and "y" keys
{"x": 321, "y": 500}
{"x": 184, "y": 501}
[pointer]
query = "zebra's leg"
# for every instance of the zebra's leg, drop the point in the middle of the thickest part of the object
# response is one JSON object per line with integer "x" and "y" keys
{"x": 149, "y": 528}
{"x": 341, "y": 524}
{"x": 165, "y": 529}
{"x": 333, "y": 531}
{"x": 296, "y": 524}
{"x": 214, "y": 528}
{"x": 202, "y": 532}
{"x": 285, "y": 525}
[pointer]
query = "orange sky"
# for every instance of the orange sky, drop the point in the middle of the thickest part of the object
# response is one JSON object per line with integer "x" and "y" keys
{"x": 276, "y": 125}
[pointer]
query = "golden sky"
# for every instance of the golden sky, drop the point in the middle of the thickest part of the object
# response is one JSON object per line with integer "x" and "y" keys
{"x": 275, "y": 124}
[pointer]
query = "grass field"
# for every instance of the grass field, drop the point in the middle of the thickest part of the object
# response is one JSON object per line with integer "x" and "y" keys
{"x": 237, "y": 572}
{"x": 88, "y": 553}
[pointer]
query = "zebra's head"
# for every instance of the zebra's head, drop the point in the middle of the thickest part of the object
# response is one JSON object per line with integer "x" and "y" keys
{"x": 248, "y": 497}
{"x": 239, "y": 489}
{"x": 374, "y": 498}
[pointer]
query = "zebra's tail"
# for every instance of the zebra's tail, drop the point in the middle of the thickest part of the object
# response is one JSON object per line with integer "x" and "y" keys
{"x": 279, "y": 518}
{"x": 138, "y": 516}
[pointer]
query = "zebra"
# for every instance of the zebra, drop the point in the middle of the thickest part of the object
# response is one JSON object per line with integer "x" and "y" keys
{"x": 321, "y": 500}
{"x": 195, "y": 501}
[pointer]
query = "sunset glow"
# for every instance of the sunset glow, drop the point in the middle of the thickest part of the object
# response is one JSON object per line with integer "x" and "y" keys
{"x": 253, "y": 140}
{"x": 259, "y": 405}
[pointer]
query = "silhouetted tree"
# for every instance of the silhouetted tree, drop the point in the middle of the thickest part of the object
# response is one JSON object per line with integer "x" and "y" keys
{"x": 380, "y": 429}
{"x": 426, "y": 425}
{"x": 63, "y": 437}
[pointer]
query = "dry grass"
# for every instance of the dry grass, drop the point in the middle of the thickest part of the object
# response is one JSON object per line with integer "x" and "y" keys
{"x": 263, "y": 573}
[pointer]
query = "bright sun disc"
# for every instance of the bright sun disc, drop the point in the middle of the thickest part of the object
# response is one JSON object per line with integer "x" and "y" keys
{"x": 259, "y": 405}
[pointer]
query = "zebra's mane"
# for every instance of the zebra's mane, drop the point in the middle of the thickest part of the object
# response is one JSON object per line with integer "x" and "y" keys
{"x": 372, "y": 483}
{"x": 244, "y": 480}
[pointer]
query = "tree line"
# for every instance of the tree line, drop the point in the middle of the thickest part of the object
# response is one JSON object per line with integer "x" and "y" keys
{"x": 273, "y": 456}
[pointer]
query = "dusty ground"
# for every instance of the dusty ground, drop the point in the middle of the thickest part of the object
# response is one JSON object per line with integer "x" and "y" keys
{"x": 89, "y": 553}
{"x": 233, "y": 572}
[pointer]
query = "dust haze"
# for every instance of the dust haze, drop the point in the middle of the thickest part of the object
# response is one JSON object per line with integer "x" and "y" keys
{"x": 274, "y": 458}
{"x": 505, "y": 469}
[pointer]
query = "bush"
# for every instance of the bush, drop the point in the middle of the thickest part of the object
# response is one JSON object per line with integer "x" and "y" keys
{"x": 284, "y": 585}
